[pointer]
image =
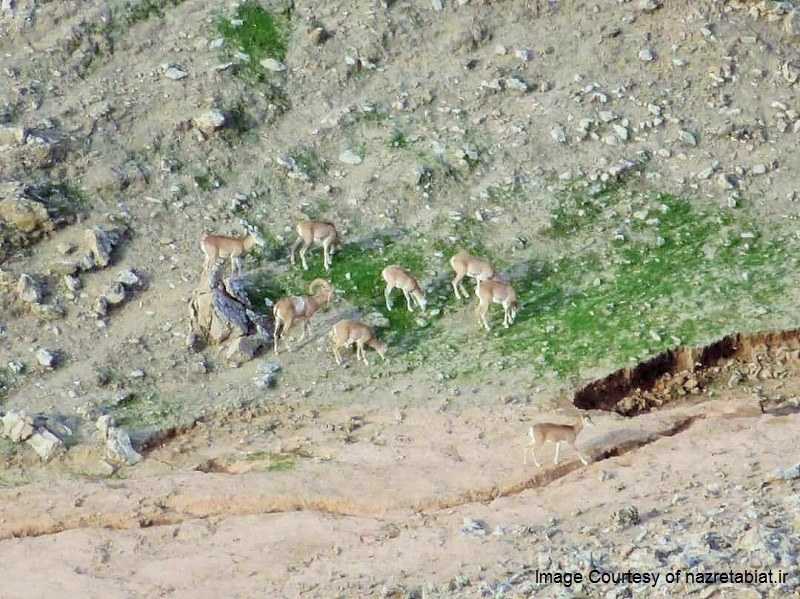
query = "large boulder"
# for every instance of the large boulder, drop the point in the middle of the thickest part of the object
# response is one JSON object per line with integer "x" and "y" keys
{"x": 244, "y": 349}
{"x": 45, "y": 443}
{"x": 217, "y": 316}
{"x": 18, "y": 426}
{"x": 22, "y": 213}
{"x": 98, "y": 244}
{"x": 118, "y": 443}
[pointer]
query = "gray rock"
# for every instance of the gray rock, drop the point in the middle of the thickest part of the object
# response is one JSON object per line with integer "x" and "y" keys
{"x": 621, "y": 132}
{"x": 727, "y": 181}
{"x": 516, "y": 84}
{"x": 792, "y": 473}
{"x": 276, "y": 66}
{"x": 173, "y": 72}
{"x": 100, "y": 307}
{"x": 45, "y": 443}
{"x": 350, "y": 157}
{"x": 243, "y": 349}
{"x": 73, "y": 283}
{"x": 647, "y": 55}
{"x": 687, "y": 137}
{"x": 210, "y": 121}
{"x": 649, "y": 5}
{"x": 18, "y": 426}
{"x": 47, "y": 357}
{"x": 217, "y": 317}
{"x": 28, "y": 291}
{"x": 115, "y": 293}
{"x": 98, "y": 244}
{"x": 118, "y": 443}
{"x": 131, "y": 278}
{"x": 558, "y": 134}
{"x": 791, "y": 24}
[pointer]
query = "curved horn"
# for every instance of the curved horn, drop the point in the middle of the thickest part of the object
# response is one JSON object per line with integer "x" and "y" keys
{"x": 319, "y": 283}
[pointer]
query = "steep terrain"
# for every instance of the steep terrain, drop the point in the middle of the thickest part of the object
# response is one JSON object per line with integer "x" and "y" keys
{"x": 628, "y": 166}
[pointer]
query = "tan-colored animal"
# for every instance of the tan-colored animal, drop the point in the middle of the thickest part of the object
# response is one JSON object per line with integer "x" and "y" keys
{"x": 495, "y": 291}
{"x": 219, "y": 247}
{"x": 397, "y": 277}
{"x": 322, "y": 232}
{"x": 347, "y": 332}
{"x": 289, "y": 309}
{"x": 544, "y": 432}
{"x": 467, "y": 265}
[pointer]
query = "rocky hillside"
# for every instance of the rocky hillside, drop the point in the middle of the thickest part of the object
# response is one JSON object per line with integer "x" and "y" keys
{"x": 627, "y": 166}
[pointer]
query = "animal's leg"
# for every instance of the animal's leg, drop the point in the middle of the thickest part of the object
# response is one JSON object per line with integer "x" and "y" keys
{"x": 305, "y": 329}
{"x": 408, "y": 301}
{"x": 456, "y": 283}
{"x": 558, "y": 448}
{"x": 303, "y": 250}
{"x": 337, "y": 356}
{"x": 326, "y": 258}
{"x": 387, "y": 294}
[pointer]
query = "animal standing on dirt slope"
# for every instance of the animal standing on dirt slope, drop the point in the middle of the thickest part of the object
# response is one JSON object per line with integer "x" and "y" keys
{"x": 544, "y": 432}
{"x": 347, "y": 332}
{"x": 316, "y": 231}
{"x": 397, "y": 277}
{"x": 289, "y": 309}
{"x": 495, "y": 291}
{"x": 219, "y": 247}
{"x": 467, "y": 265}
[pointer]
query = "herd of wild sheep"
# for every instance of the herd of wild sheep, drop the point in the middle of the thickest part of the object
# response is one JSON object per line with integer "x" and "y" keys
{"x": 489, "y": 288}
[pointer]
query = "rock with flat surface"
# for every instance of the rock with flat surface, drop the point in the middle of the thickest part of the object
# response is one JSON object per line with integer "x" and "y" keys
{"x": 18, "y": 426}
{"x": 45, "y": 443}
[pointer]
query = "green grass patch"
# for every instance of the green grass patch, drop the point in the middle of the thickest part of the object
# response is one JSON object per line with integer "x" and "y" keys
{"x": 257, "y": 32}
{"x": 662, "y": 272}
{"x": 356, "y": 273}
{"x": 398, "y": 139}
{"x": 311, "y": 164}
{"x": 147, "y": 9}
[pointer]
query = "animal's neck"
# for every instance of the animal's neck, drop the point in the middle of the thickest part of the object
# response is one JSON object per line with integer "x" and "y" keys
{"x": 578, "y": 426}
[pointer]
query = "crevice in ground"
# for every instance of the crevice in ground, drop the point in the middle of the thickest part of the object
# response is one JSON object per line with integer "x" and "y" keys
{"x": 677, "y": 372}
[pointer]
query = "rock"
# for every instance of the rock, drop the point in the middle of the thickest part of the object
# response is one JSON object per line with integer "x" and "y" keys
{"x": 628, "y": 516}
{"x": 525, "y": 55}
{"x": 791, "y": 25}
{"x": 727, "y": 181}
{"x": 438, "y": 5}
{"x": 243, "y": 349}
{"x": 620, "y": 131}
{"x": 687, "y": 137}
{"x": 7, "y": 5}
{"x": 13, "y": 135}
{"x": 173, "y": 72}
{"x": 194, "y": 342}
{"x": 100, "y": 307}
{"x": 318, "y": 36}
{"x": 47, "y": 357}
{"x": 115, "y": 293}
{"x": 16, "y": 367}
{"x": 22, "y": 213}
{"x": 131, "y": 278}
{"x": 790, "y": 72}
{"x": 647, "y": 55}
{"x": 64, "y": 267}
{"x": 118, "y": 442}
{"x": 792, "y": 473}
{"x": 276, "y": 66}
{"x": 516, "y": 84}
{"x": 72, "y": 283}
{"x": 66, "y": 248}
{"x": 98, "y": 244}
{"x": 759, "y": 169}
{"x": 350, "y": 157}
{"x": 28, "y": 290}
{"x": 649, "y": 5}
{"x": 52, "y": 311}
{"x": 45, "y": 443}
{"x": 17, "y": 426}
{"x": 211, "y": 121}
{"x": 217, "y": 317}
{"x": 558, "y": 134}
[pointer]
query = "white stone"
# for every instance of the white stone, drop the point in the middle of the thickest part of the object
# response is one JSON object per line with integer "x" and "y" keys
{"x": 276, "y": 66}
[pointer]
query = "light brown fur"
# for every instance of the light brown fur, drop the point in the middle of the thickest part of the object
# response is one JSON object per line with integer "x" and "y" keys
{"x": 397, "y": 277}
{"x": 466, "y": 265}
{"x": 347, "y": 332}
{"x": 289, "y": 309}
{"x": 316, "y": 231}
{"x": 219, "y": 247}
{"x": 544, "y": 432}
{"x": 497, "y": 292}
